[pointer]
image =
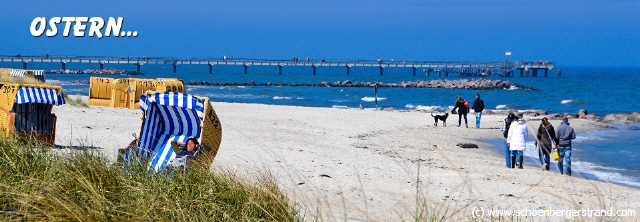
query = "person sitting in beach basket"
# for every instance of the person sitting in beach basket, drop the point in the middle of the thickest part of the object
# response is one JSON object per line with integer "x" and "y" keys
{"x": 190, "y": 148}
{"x": 175, "y": 118}
{"x": 185, "y": 153}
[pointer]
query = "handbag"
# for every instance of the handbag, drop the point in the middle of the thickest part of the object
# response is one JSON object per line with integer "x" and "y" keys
{"x": 556, "y": 156}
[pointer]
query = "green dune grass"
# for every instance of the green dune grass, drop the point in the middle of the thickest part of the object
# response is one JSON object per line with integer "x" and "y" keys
{"x": 83, "y": 186}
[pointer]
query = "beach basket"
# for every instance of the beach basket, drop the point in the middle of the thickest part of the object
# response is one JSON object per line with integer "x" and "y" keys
{"x": 125, "y": 93}
{"x": 120, "y": 93}
{"x": 169, "y": 85}
{"x": 172, "y": 116}
{"x": 36, "y": 74}
{"x": 137, "y": 88}
{"x": 26, "y": 110}
{"x": 100, "y": 91}
{"x": 5, "y": 71}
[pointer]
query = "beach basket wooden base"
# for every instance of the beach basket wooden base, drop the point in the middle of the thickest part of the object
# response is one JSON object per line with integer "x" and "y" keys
{"x": 100, "y": 102}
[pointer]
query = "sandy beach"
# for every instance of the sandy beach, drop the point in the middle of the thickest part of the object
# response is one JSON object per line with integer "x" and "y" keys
{"x": 367, "y": 165}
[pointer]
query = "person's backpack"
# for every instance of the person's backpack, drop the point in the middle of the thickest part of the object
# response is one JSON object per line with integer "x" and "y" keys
{"x": 466, "y": 104}
{"x": 505, "y": 133}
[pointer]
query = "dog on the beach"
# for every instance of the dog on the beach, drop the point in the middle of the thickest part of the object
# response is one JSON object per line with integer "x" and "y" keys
{"x": 443, "y": 118}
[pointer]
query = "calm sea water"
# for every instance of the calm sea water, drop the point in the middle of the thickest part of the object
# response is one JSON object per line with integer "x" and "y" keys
{"x": 608, "y": 154}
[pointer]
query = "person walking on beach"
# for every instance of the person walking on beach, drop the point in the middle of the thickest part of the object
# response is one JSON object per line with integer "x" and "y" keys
{"x": 478, "y": 107}
{"x": 565, "y": 134}
{"x": 546, "y": 140}
{"x": 462, "y": 111}
{"x": 517, "y": 141}
{"x": 505, "y": 132}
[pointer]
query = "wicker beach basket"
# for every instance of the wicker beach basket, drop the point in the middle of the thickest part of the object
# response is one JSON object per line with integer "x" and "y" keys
{"x": 26, "y": 110}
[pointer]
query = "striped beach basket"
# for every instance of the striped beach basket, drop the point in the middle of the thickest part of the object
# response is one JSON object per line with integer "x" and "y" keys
{"x": 26, "y": 110}
{"x": 172, "y": 116}
{"x": 37, "y": 74}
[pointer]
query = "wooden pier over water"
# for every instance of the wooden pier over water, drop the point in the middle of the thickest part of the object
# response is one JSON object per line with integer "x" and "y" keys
{"x": 505, "y": 69}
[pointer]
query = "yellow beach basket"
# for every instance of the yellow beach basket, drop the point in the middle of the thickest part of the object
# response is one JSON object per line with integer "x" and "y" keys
{"x": 126, "y": 92}
{"x": 26, "y": 110}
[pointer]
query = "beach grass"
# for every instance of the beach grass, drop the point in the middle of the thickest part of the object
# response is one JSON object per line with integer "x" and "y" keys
{"x": 83, "y": 185}
{"x": 20, "y": 80}
{"x": 77, "y": 101}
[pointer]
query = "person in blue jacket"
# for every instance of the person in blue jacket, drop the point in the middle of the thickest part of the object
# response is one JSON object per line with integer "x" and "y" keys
{"x": 565, "y": 134}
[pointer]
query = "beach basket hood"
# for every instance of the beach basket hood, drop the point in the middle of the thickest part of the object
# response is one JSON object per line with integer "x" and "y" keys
{"x": 39, "y": 95}
{"x": 173, "y": 99}
{"x": 18, "y": 73}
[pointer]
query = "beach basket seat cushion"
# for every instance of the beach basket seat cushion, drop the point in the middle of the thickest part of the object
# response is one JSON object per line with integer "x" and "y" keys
{"x": 167, "y": 117}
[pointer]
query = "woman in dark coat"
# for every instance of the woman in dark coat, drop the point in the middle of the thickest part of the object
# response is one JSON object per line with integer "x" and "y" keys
{"x": 462, "y": 111}
{"x": 546, "y": 138}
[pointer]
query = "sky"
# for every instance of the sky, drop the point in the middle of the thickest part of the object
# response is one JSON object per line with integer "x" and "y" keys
{"x": 568, "y": 32}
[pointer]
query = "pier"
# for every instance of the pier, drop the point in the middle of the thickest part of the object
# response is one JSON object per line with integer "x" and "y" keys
{"x": 505, "y": 68}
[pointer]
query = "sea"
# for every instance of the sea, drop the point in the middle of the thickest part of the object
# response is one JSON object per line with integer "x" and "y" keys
{"x": 607, "y": 154}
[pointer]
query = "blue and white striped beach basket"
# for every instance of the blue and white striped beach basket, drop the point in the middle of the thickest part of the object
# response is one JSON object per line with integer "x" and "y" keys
{"x": 172, "y": 116}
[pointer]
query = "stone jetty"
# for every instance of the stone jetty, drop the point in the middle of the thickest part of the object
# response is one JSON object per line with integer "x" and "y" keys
{"x": 616, "y": 118}
{"x": 471, "y": 84}
{"x": 108, "y": 71}
{"x": 477, "y": 84}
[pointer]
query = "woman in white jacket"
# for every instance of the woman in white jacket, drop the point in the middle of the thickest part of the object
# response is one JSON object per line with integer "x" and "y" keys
{"x": 517, "y": 139}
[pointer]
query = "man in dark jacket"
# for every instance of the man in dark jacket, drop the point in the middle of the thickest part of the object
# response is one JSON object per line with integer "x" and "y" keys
{"x": 565, "y": 134}
{"x": 478, "y": 107}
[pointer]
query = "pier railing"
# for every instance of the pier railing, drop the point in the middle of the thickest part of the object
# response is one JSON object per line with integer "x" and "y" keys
{"x": 463, "y": 67}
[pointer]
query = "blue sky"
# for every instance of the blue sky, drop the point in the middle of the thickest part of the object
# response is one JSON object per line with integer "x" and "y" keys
{"x": 570, "y": 33}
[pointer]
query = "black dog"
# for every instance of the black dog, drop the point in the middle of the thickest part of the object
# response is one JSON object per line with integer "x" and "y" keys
{"x": 443, "y": 118}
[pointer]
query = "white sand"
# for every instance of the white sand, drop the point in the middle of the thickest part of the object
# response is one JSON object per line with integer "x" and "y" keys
{"x": 370, "y": 159}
